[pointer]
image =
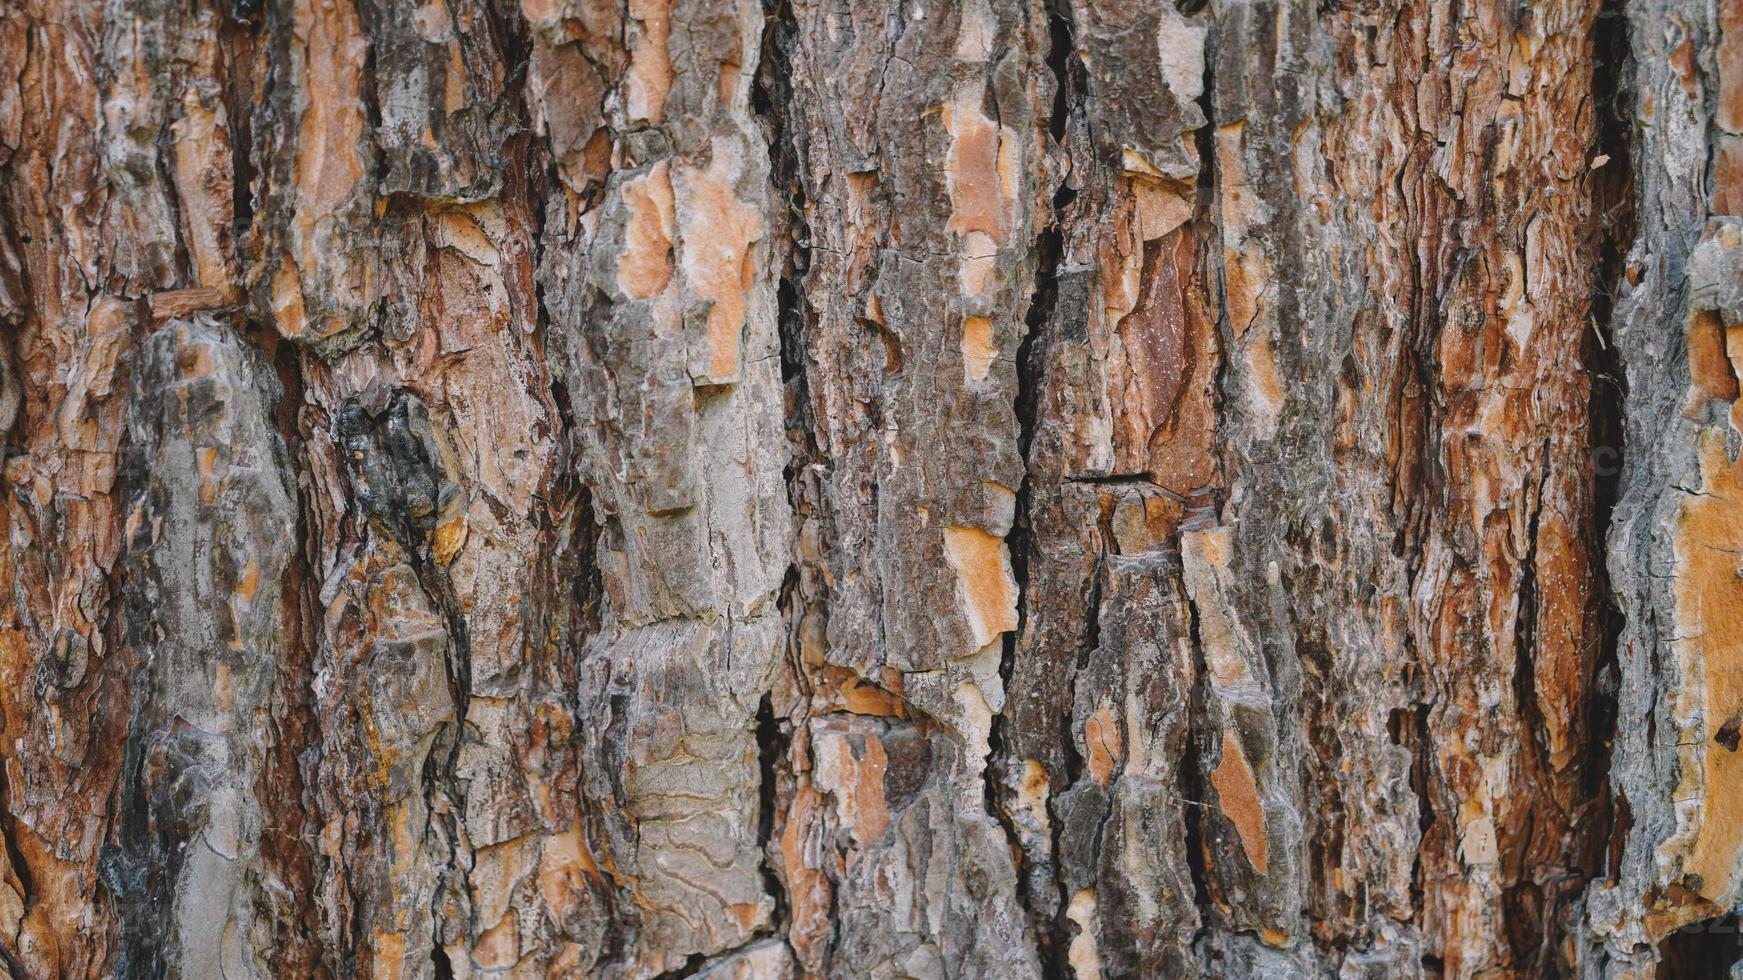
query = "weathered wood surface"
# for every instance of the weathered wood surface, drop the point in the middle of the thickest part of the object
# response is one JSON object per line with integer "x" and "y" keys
{"x": 988, "y": 488}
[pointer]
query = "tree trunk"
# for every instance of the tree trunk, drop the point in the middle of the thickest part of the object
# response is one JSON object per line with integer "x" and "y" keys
{"x": 979, "y": 488}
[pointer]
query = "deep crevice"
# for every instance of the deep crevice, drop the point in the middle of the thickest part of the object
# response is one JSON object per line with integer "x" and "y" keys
{"x": 286, "y": 835}
{"x": 399, "y": 486}
{"x": 692, "y": 966}
{"x": 237, "y": 39}
{"x": 772, "y": 743}
{"x": 1419, "y": 740}
{"x": 773, "y": 90}
{"x": 9, "y": 840}
{"x": 1613, "y": 198}
{"x": 1602, "y": 821}
{"x": 15, "y": 859}
{"x": 1049, "y": 248}
{"x": 771, "y": 93}
{"x": 1702, "y": 951}
{"x": 1606, "y": 819}
{"x": 1530, "y": 933}
{"x": 1188, "y": 782}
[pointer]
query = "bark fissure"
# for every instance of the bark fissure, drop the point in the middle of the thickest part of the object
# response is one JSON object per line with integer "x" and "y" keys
{"x": 1613, "y": 200}
{"x": 1039, "y": 314}
{"x": 1189, "y": 790}
{"x": 289, "y": 830}
{"x": 786, "y": 488}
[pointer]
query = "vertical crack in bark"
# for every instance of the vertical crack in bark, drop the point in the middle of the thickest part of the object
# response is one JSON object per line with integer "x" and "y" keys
{"x": 1613, "y": 205}
{"x": 1413, "y": 734}
{"x": 9, "y": 840}
{"x": 771, "y": 747}
{"x": 437, "y": 584}
{"x": 238, "y": 40}
{"x": 1530, "y": 930}
{"x": 1037, "y": 320}
{"x": 288, "y": 837}
{"x": 162, "y": 161}
{"x": 11, "y": 417}
{"x": 1187, "y": 782}
{"x": 400, "y": 484}
{"x": 770, "y": 96}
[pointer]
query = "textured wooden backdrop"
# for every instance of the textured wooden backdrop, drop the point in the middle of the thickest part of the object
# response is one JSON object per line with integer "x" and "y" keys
{"x": 988, "y": 488}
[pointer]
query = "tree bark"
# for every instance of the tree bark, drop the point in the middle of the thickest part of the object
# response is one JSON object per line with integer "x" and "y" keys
{"x": 988, "y": 488}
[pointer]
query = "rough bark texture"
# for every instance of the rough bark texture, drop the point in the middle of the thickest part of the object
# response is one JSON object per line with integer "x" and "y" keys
{"x": 987, "y": 488}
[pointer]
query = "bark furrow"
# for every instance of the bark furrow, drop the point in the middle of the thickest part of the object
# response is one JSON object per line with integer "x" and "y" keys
{"x": 992, "y": 488}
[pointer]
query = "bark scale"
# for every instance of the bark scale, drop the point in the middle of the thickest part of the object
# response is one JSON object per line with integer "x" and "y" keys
{"x": 991, "y": 488}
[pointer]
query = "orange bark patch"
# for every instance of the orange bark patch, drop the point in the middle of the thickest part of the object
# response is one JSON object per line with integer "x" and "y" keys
{"x": 203, "y": 182}
{"x": 328, "y": 164}
{"x": 745, "y": 914}
{"x": 1709, "y": 595}
{"x": 645, "y": 266}
{"x": 983, "y": 571}
{"x": 1154, "y": 353}
{"x": 1728, "y": 176}
{"x": 388, "y": 954}
{"x": 1729, "y": 114}
{"x": 1238, "y": 794}
{"x": 874, "y": 815}
{"x": 498, "y": 947}
{"x": 1264, "y": 384}
{"x": 1564, "y": 592}
{"x": 717, "y": 232}
{"x": 1141, "y": 522}
{"x": 1030, "y": 810}
{"x": 1246, "y": 270}
{"x": 1243, "y": 267}
{"x": 727, "y": 84}
{"x": 1710, "y": 368}
{"x": 856, "y": 781}
{"x": 1674, "y": 908}
{"x": 289, "y": 316}
{"x": 977, "y": 347}
{"x": 450, "y": 536}
{"x": 540, "y": 11}
{"x": 1101, "y": 736}
{"x": 565, "y": 868}
{"x": 980, "y": 170}
{"x": 1082, "y": 954}
{"x": 249, "y": 583}
{"x": 172, "y": 304}
{"x": 1160, "y": 206}
{"x": 1205, "y": 556}
{"x": 206, "y": 458}
{"x": 650, "y": 63}
{"x": 808, "y": 888}
{"x": 862, "y": 697}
